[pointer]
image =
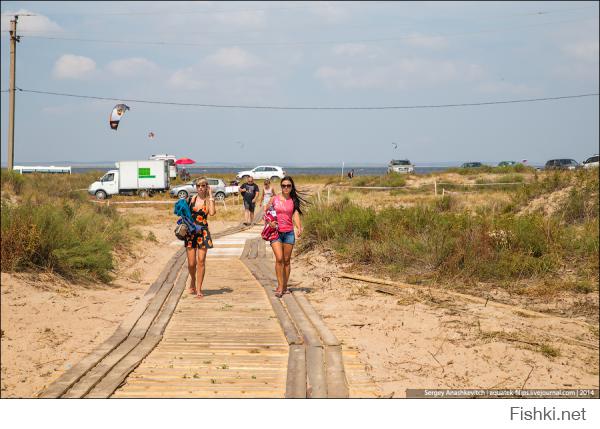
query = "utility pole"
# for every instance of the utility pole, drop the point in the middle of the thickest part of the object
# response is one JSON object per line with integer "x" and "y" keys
{"x": 11, "y": 93}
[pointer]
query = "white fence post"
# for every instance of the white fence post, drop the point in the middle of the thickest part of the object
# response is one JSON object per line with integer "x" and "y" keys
{"x": 435, "y": 187}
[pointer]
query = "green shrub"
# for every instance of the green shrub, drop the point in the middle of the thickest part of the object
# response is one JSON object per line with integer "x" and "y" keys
{"x": 447, "y": 243}
{"x": 12, "y": 180}
{"x": 75, "y": 240}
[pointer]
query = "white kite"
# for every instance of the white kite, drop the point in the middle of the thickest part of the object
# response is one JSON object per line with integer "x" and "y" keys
{"x": 150, "y": 135}
{"x": 395, "y": 145}
{"x": 117, "y": 114}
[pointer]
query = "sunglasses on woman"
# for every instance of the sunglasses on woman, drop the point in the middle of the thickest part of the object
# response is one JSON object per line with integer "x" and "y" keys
{"x": 286, "y": 186}
{"x": 200, "y": 186}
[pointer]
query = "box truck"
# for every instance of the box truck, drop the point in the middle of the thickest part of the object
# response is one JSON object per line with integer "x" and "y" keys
{"x": 142, "y": 178}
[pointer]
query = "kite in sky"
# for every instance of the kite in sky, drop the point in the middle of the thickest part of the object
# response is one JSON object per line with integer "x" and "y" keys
{"x": 395, "y": 145}
{"x": 150, "y": 135}
{"x": 117, "y": 114}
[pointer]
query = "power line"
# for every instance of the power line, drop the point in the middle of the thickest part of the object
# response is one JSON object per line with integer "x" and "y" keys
{"x": 321, "y": 42}
{"x": 233, "y": 106}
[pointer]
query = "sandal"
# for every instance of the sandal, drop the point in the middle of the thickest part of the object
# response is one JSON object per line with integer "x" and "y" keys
{"x": 279, "y": 294}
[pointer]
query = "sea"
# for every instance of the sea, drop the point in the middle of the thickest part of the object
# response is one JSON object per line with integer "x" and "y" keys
{"x": 292, "y": 171}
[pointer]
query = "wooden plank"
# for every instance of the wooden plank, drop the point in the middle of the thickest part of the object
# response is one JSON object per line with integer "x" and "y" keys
{"x": 253, "y": 249}
{"x": 109, "y": 383}
{"x": 123, "y": 368}
{"x": 296, "y": 372}
{"x": 246, "y": 250}
{"x": 306, "y": 329}
{"x": 73, "y": 375}
{"x": 155, "y": 286}
{"x": 261, "y": 249}
{"x": 289, "y": 329}
{"x": 328, "y": 338}
{"x": 315, "y": 373}
{"x": 94, "y": 376}
{"x": 337, "y": 385}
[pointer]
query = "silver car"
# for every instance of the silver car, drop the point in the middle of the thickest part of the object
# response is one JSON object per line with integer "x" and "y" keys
{"x": 400, "y": 166}
{"x": 216, "y": 185}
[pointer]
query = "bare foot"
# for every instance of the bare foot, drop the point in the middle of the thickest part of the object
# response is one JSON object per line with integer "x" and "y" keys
{"x": 192, "y": 289}
{"x": 199, "y": 294}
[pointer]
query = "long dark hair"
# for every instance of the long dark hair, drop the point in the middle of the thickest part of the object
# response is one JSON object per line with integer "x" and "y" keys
{"x": 297, "y": 197}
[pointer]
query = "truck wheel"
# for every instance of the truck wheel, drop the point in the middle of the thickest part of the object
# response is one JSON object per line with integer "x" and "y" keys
{"x": 220, "y": 196}
{"x": 182, "y": 195}
{"x": 143, "y": 193}
{"x": 100, "y": 195}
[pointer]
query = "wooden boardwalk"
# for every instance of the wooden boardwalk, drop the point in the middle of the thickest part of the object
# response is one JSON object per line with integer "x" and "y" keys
{"x": 228, "y": 344}
{"x": 239, "y": 341}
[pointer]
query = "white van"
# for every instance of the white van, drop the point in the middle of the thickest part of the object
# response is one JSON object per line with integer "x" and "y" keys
{"x": 170, "y": 161}
{"x": 132, "y": 177}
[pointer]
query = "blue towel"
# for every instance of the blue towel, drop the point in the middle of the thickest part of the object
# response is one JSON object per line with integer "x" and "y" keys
{"x": 182, "y": 209}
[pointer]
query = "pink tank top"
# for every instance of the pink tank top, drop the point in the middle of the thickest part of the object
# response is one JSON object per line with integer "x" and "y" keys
{"x": 285, "y": 210}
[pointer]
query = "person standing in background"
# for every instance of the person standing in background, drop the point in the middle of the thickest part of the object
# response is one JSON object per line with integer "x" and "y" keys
{"x": 268, "y": 192}
{"x": 250, "y": 193}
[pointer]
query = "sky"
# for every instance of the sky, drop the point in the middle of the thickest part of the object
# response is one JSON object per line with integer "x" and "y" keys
{"x": 304, "y": 54}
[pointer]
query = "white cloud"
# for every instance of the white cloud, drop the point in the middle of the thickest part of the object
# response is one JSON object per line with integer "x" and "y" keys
{"x": 73, "y": 67}
{"x": 583, "y": 50}
{"x": 329, "y": 11}
{"x": 502, "y": 87}
{"x": 409, "y": 72}
{"x": 357, "y": 50}
{"x": 424, "y": 41}
{"x": 186, "y": 78}
{"x": 38, "y": 23}
{"x": 132, "y": 67}
{"x": 233, "y": 58}
{"x": 242, "y": 19}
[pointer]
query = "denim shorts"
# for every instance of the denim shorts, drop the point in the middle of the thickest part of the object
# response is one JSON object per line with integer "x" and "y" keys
{"x": 286, "y": 238}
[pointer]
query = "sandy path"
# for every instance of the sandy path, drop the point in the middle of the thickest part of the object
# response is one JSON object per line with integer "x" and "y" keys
{"x": 415, "y": 341}
{"x": 48, "y": 324}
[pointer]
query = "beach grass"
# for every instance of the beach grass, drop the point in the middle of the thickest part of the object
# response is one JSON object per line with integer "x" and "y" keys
{"x": 491, "y": 240}
{"x": 48, "y": 223}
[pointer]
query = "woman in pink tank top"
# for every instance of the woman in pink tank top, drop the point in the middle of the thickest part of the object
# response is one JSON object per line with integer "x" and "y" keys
{"x": 288, "y": 206}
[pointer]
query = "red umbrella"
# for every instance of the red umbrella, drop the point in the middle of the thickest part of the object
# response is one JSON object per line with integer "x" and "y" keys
{"x": 185, "y": 161}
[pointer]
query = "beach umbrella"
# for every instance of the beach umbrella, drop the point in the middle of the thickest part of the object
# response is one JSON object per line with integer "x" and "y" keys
{"x": 185, "y": 161}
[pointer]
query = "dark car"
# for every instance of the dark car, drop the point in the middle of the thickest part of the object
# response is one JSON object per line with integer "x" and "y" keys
{"x": 561, "y": 164}
{"x": 471, "y": 165}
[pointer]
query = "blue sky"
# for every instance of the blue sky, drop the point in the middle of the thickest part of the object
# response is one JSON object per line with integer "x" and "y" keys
{"x": 305, "y": 54}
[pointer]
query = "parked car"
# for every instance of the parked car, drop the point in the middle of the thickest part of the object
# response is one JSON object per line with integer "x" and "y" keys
{"x": 263, "y": 172}
{"x": 471, "y": 165}
{"x": 591, "y": 162}
{"x": 561, "y": 164}
{"x": 400, "y": 166}
{"x": 507, "y": 163}
{"x": 217, "y": 186}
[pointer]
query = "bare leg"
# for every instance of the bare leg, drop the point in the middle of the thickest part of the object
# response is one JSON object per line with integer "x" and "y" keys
{"x": 278, "y": 252}
{"x": 287, "y": 266}
{"x": 191, "y": 257}
{"x": 247, "y": 216}
{"x": 200, "y": 271}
